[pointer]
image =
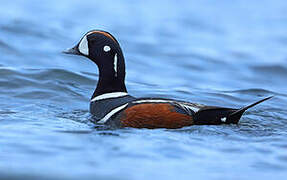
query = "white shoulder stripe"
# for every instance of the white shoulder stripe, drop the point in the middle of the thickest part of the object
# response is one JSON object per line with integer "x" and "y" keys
{"x": 109, "y": 95}
{"x": 111, "y": 113}
{"x": 187, "y": 106}
{"x": 152, "y": 101}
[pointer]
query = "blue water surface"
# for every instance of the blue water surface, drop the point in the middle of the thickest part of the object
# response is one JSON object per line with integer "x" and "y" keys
{"x": 224, "y": 53}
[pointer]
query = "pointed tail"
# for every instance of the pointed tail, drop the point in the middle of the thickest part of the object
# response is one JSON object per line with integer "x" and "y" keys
{"x": 235, "y": 116}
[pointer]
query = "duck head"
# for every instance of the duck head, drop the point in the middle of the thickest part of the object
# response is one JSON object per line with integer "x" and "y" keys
{"x": 104, "y": 50}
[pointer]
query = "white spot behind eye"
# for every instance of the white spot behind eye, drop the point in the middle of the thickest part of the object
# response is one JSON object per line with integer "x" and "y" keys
{"x": 107, "y": 48}
{"x": 83, "y": 46}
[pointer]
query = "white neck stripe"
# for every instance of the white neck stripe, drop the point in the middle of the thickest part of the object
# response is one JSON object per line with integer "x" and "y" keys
{"x": 116, "y": 65}
{"x": 111, "y": 113}
{"x": 109, "y": 95}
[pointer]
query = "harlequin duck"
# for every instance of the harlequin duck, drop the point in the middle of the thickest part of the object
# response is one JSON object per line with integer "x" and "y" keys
{"x": 113, "y": 106}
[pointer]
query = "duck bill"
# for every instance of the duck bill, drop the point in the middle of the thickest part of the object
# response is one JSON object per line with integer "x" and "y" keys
{"x": 73, "y": 50}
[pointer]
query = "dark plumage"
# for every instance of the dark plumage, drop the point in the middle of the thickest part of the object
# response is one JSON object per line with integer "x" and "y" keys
{"x": 111, "y": 104}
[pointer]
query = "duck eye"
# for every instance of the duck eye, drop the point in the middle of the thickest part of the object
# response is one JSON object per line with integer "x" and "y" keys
{"x": 107, "y": 48}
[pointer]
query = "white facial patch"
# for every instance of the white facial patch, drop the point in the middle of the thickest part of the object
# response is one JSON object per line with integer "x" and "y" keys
{"x": 83, "y": 46}
{"x": 116, "y": 65}
{"x": 107, "y": 48}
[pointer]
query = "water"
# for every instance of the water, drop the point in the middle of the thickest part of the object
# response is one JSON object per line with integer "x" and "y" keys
{"x": 213, "y": 52}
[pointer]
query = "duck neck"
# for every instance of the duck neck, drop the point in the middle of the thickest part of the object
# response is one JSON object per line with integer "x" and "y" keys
{"x": 111, "y": 80}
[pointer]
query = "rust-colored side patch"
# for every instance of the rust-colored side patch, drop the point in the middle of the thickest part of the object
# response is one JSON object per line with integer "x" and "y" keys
{"x": 152, "y": 115}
